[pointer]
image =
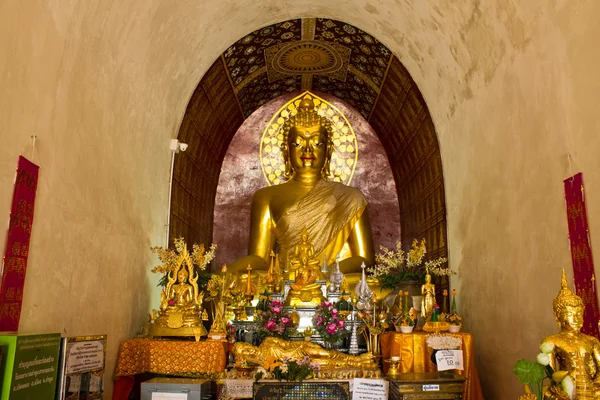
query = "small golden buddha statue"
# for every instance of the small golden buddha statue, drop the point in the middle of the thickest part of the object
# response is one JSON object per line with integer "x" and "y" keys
{"x": 573, "y": 351}
{"x": 279, "y": 348}
{"x": 334, "y": 215}
{"x": 428, "y": 302}
{"x": 181, "y": 303}
{"x": 304, "y": 257}
{"x": 304, "y": 291}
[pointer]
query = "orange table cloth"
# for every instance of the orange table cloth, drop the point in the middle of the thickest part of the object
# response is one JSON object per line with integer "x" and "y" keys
{"x": 165, "y": 357}
{"x": 416, "y": 357}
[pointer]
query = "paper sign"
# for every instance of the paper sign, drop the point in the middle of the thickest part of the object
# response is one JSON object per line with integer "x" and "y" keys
{"x": 85, "y": 356}
{"x": 431, "y": 388}
{"x": 238, "y": 388}
{"x": 449, "y": 359}
{"x": 370, "y": 389}
{"x": 169, "y": 396}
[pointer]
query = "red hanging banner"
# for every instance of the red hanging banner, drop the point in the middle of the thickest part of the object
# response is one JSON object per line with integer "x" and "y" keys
{"x": 581, "y": 253}
{"x": 17, "y": 245}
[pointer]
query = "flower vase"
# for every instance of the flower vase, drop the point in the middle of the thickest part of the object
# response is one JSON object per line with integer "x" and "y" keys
{"x": 406, "y": 329}
{"x": 454, "y": 328}
{"x": 417, "y": 300}
{"x": 332, "y": 345}
{"x": 375, "y": 345}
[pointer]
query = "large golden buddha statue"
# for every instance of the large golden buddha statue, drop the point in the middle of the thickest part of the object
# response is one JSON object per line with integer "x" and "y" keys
{"x": 333, "y": 214}
{"x": 573, "y": 351}
{"x": 278, "y": 348}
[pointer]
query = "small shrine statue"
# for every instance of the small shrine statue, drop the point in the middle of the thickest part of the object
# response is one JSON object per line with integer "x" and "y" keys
{"x": 573, "y": 351}
{"x": 304, "y": 291}
{"x": 336, "y": 277}
{"x": 279, "y": 348}
{"x": 181, "y": 303}
{"x": 304, "y": 257}
{"x": 428, "y": 302}
{"x": 363, "y": 292}
{"x": 272, "y": 280}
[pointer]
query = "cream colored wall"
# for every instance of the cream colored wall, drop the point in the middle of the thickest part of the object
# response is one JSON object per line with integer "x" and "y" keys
{"x": 511, "y": 87}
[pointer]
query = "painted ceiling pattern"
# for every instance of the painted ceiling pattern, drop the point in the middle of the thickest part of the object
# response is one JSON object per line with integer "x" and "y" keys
{"x": 316, "y": 54}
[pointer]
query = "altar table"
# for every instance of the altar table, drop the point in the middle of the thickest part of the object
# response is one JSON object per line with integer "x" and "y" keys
{"x": 416, "y": 357}
{"x": 165, "y": 357}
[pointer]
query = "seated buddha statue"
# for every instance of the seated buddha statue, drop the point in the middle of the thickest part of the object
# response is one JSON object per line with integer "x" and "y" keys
{"x": 304, "y": 291}
{"x": 573, "y": 351}
{"x": 279, "y": 348}
{"x": 303, "y": 257}
{"x": 181, "y": 304}
{"x": 334, "y": 215}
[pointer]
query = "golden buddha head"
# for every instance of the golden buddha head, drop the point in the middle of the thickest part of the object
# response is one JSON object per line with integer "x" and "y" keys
{"x": 182, "y": 275}
{"x": 307, "y": 141}
{"x": 568, "y": 308}
{"x": 304, "y": 235}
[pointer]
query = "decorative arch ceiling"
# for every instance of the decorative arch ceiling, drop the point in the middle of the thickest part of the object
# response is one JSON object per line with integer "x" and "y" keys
{"x": 311, "y": 54}
{"x": 307, "y": 54}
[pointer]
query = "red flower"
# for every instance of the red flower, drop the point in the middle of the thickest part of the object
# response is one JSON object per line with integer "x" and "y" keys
{"x": 332, "y": 328}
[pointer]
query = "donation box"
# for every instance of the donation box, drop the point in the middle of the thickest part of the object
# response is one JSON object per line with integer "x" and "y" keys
{"x": 176, "y": 389}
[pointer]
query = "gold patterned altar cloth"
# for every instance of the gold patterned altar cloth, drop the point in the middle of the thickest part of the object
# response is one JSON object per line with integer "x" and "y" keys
{"x": 168, "y": 357}
{"x": 416, "y": 357}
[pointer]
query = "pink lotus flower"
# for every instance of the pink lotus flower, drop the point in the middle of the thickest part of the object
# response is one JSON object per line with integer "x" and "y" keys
{"x": 319, "y": 320}
{"x": 340, "y": 324}
{"x": 327, "y": 304}
{"x": 270, "y": 325}
{"x": 285, "y": 321}
{"x": 275, "y": 310}
{"x": 280, "y": 329}
{"x": 331, "y": 328}
{"x": 334, "y": 311}
{"x": 276, "y": 303}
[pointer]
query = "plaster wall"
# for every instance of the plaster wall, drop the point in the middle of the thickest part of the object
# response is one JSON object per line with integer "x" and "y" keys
{"x": 511, "y": 87}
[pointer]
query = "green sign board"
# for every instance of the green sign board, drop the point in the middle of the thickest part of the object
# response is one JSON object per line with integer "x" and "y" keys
{"x": 29, "y": 366}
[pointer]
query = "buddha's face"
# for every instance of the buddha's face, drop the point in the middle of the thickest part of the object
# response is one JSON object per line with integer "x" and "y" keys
{"x": 307, "y": 148}
{"x": 182, "y": 276}
{"x": 572, "y": 318}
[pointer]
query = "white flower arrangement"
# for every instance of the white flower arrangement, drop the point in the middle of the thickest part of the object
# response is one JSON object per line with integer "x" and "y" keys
{"x": 443, "y": 341}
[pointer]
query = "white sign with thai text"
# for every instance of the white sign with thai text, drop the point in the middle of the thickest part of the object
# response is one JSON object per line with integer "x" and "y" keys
{"x": 449, "y": 359}
{"x": 370, "y": 389}
{"x": 85, "y": 356}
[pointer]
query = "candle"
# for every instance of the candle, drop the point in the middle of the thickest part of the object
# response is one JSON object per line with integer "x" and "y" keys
{"x": 395, "y": 358}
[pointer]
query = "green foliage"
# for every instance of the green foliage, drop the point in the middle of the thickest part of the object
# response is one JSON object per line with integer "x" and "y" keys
{"x": 529, "y": 372}
{"x": 389, "y": 281}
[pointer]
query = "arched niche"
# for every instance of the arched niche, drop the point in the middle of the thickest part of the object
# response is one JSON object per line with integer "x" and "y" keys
{"x": 373, "y": 81}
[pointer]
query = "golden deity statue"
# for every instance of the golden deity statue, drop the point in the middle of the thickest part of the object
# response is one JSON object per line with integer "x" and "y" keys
{"x": 304, "y": 257}
{"x": 304, "y": 291}
{"x": 428, "y": 302}
{"x": 278, "y": 348}
{"x": 180, "y": 302}
{"x": 333, "y": 214}
{"x": 573, "y": 351}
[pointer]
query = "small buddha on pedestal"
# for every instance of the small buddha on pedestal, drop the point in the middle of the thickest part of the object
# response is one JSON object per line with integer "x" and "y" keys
{"x": 304, "y": 291}
{"x": 181, "y": 303}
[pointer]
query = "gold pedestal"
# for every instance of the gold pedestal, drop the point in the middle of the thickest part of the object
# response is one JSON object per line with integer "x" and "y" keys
{"x": 304, "y": 298}
{"x": 187, "y": 331}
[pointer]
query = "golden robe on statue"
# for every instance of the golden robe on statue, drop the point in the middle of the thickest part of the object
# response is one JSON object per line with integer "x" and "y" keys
{"x": 339, "y": 208}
